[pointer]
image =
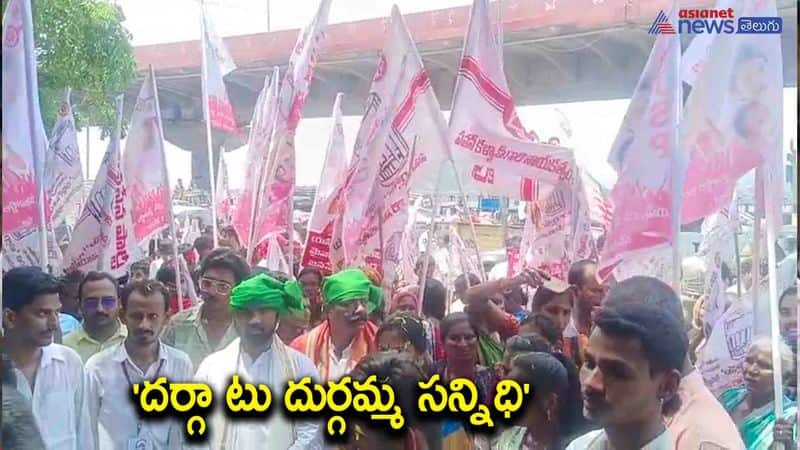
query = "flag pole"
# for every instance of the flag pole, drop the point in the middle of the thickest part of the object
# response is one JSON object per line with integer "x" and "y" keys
{"x": 170, "y": 214}
{"x": 36, "y": 140}
{"x": 209, "y": 142}
{"x": 678, "y": 166}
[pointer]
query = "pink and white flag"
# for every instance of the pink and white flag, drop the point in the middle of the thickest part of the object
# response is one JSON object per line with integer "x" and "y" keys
{"x": 144, "y": 166}
{"x": 409, "y": 251}
{"x": 327, "y": 202}
{"x": 104, "y": 238}
{"x": 646, "y": 157}
{"x": 733, "y": 119}
{"x": 275, "y": 201}
{"x": 24, "y": 143}
{"x": 217, "y": 63}
{"x": 718, "y": 232}
{"x": 63, "y": 175}
{"x": 401, "y": 144}
{"x": 261, "y": 128}
{"x": 493, "y": 153}
{"x": 225, "y": 200}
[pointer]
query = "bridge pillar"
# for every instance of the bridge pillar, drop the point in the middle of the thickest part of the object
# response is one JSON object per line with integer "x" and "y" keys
{"x": 200, "y": 174}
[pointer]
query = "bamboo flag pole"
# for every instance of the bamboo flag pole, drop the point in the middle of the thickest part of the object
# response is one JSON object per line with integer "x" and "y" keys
{"x": 209, "y": 141}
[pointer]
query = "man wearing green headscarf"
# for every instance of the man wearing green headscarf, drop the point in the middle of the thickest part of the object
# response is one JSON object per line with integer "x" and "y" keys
{"x": 257, "y": 356}
{"x": 345, "y": 335}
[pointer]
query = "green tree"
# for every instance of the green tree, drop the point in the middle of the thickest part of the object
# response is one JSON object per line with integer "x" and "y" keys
{"x": 81, "y": 44}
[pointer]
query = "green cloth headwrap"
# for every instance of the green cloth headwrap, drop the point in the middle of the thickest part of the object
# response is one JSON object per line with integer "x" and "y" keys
{"x": 263, "y": 291}
{"x": 351, "y": 284}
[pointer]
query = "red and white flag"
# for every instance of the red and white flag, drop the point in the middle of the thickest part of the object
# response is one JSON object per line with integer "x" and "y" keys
{"x": 144, "y": 166}
{"x": 733, "y": 116}
{"x": 26, "y": 211}
{"x": 261, "y": 128}
{"x": 647, "y": 158}
{"x": 104, "y": 238}
{"x": 63, "y": 175}
{"x": 275, "y": 201}
{"x": 401, "y": 144}
{"x": 224, "y": 198}
{"x": 494, "y": 154}
{"x": 328, "y": 200}
{"x": 217, "y": 63}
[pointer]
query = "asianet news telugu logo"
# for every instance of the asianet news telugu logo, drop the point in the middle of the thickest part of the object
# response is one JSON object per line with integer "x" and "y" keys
{"x": 717, "y": 21}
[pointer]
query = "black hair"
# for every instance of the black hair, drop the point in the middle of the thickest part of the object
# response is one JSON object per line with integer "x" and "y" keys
{"x": 204, "y": 243}
{"x": 434, "y": 299}
{"x": 663, "y": 340}
{"x": 140, "y": 265}
{"x": 145, "y": 288}
{"x": 571, "y": 406}
{"x": 73, "y": 276}
{"x": 528, "y": 343}
{"x": 409, "y": 326}
{"x": 93, "y": 276}
{"x": 309, "y": 269}
{"x": 463, "y": 278}
{"x": 543, "y": 372}
{"x": 516, "y": 296}
{"x": 544, "y": 296}
{"x": 577, "y": 272}
{"x": 166, "y": 274}
{"x": 22, "y": 284}
{"x": 226, "y": 258}
{"x": 549, "y": 330}
{"x": 397, "y": 369}
{"x": 421, "y": 262}
{"x": 452, "y": 320}
{"x": 646, "y": 290}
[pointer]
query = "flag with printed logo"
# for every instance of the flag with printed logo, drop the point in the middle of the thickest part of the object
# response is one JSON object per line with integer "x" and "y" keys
{"x": 401, "y": 145}
{"x": 63, "y": 175}
{"x": 648, "y": 160}
{"x": 144, "y": 166}
{"x": 104, "y": 238}
{"x": 328, "y": 199}
{"x": 217, "y": 63}
{"x": 275, "y": 202}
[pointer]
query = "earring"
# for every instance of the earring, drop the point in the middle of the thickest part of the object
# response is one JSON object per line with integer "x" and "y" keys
{"x": 549, "y": 416}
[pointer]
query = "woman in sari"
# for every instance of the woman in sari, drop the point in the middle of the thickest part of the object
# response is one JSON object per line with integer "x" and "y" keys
{"x": 460, "y": 341}
{"x": 752, "y": 407}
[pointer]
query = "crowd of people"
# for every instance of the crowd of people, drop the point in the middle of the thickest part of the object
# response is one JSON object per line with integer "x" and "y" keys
{"x": 610, "y": 365}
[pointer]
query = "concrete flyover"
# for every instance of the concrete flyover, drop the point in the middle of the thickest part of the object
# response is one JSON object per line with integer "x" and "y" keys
{"x": 554, "y": 51}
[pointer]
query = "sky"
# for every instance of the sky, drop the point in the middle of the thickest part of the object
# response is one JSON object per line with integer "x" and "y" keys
{"x": 594, "y": 124}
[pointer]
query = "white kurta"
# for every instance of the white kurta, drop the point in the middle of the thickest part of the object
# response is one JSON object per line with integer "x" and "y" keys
{"x": 274, "y": 368}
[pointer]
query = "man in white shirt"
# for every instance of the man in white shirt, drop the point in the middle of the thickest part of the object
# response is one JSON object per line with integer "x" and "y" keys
{"x": 49, "y": 375}
{"x": 630, "y": 378}
{"x": 259, "y": 357}
{"x": 141, "y": 357}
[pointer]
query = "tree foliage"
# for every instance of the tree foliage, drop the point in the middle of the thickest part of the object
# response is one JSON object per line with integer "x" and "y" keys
{"x": 81, "y": 44}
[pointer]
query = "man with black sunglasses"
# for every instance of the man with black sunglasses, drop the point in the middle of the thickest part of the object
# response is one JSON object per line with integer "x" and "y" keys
{"x": 208, "y": 326}
{"x": 99, "y": 305}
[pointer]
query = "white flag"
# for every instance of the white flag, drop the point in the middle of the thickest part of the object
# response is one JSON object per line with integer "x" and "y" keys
{"x": 494, "y": 153}
{"x": 733, "y": 116}
{"x": 275, "y": 201}
{"x": 144, "y": 166}
{"x": 647, "y": 158}
{"x": 274, "y": 260}
{"x": 103, "y": 238}
{"x": 224, "y": 196}
{"x": 217, "y": 63}
{"x": 261, "y": 128}
{"x": 24, "y": 143}
{"x": 720, "y": 359}
{"x": 718, "y": 232}
{"x": 64, "y": 179}
{"x": 328, "y": 199}
{"x": 401, "y": 144}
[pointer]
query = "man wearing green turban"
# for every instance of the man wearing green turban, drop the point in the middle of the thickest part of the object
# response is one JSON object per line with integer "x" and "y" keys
{"x": 345, "y": 336}
{"x": 256, "y": 356}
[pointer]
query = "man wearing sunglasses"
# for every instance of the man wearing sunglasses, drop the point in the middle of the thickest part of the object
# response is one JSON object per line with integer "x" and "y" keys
{"x": 99, "y": 304}
{"x": 207, "y": 327}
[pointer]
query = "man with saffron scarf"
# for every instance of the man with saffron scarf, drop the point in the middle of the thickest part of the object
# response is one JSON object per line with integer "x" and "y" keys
{"x": 345, "y": 336}
{"x": 259, "y": 357}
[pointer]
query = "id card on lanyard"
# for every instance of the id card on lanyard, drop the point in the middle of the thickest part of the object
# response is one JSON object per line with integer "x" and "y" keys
{"x": 140, "y": 442}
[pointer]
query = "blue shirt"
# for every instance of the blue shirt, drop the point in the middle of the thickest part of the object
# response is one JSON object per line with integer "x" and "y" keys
{"x": 68, "y": 323}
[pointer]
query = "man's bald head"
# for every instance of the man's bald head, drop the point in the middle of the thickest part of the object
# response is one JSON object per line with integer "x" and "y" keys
{"x": 645, "y": 290}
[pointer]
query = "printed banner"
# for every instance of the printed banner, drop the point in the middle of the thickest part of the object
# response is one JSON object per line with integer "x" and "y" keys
{"x": 24, "y": 142}
{"x": 144, "y": 166}
{"x": 732, "y": 120}
{"x": 63, "y": 175}
{"x": 328, "y": 200}
{"x": 217, "y": 63}
{"x": 103, "y": 239}
{"x": 720, "y": 360}
{"x": 718, "y": 232}
{"x": 647, "y": 158}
